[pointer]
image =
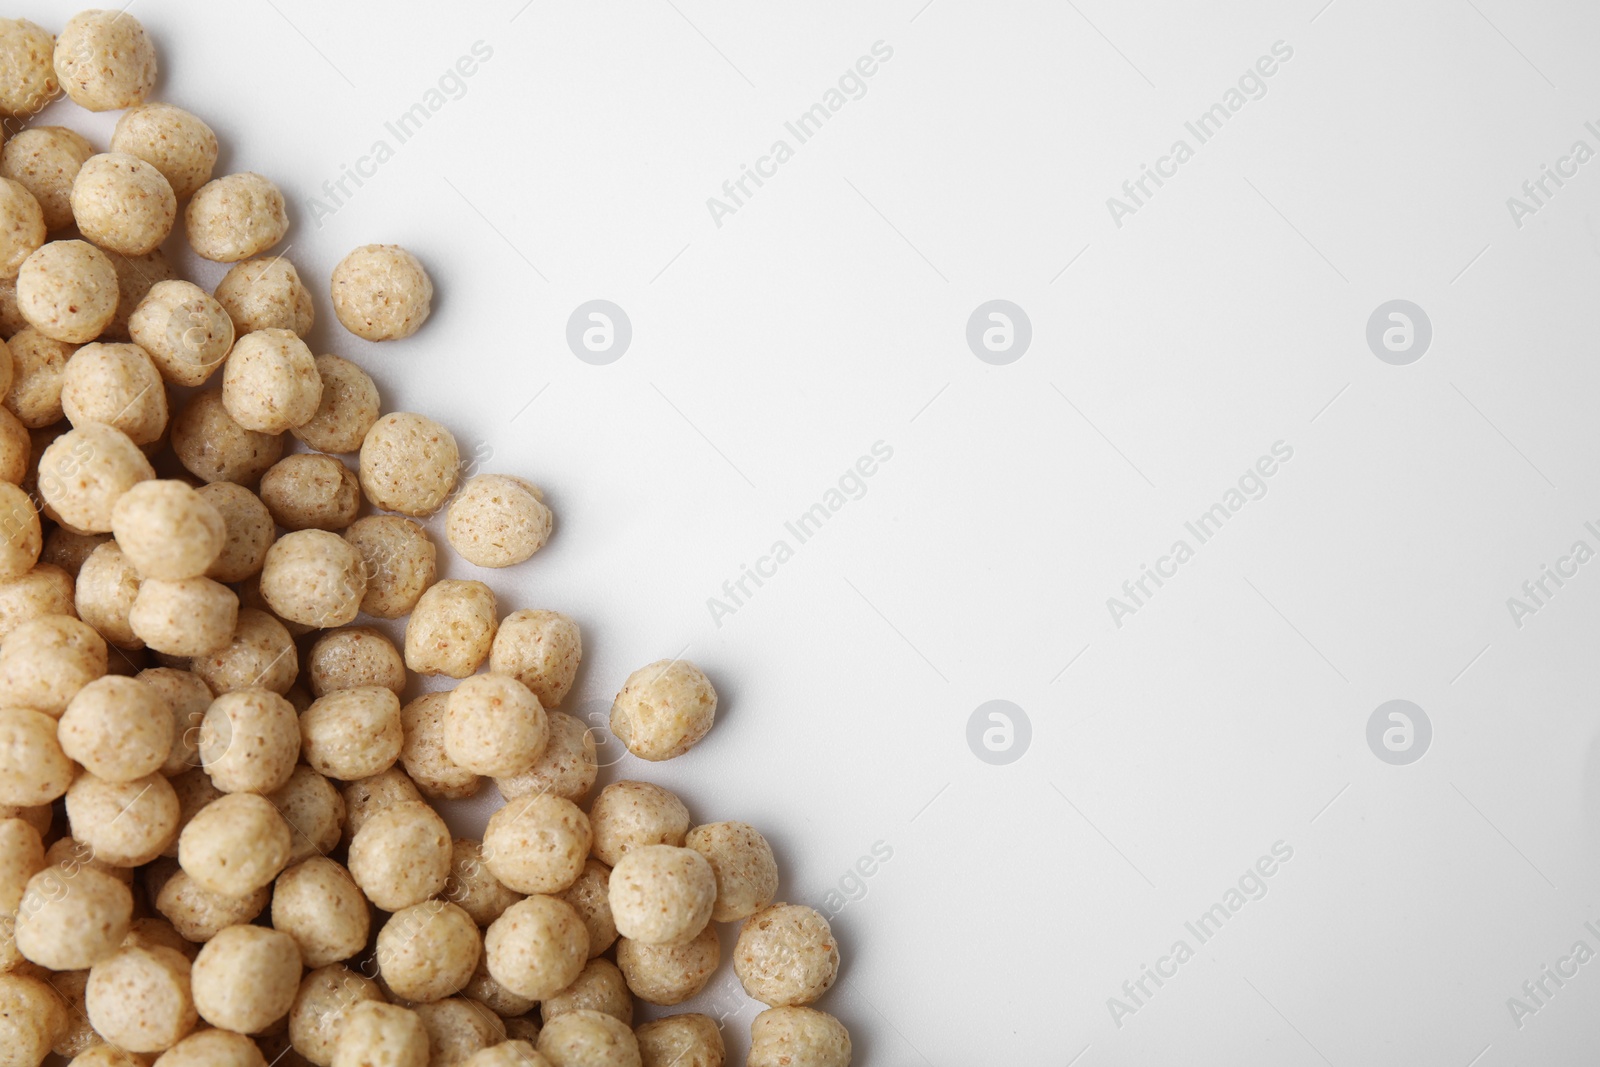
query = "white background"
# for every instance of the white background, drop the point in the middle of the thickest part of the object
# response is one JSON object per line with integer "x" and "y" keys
{"x": 1229, "y": 313}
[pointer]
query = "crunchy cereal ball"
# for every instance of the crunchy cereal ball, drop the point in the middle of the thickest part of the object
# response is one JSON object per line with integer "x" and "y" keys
{"x": 567, "y": 767}
{"x": 71, "y": 921}
{"x": 32, "y": 1019}
{"x": 213, "y": 1048}
{"x": 483, "y": 989}
{"x": 21, "y": 537}
{"x": 398, "y": 560}
{"x": 136, "y": 275}
{"x": 408, "y": 463}
{"x": 366, "y": 798}
{"x": 249, "y": 741}
{"x": 158, "y": 933}
{"x": 311, "y": 491}
{"x": 354, "y": 656}
{"x": 176, "y": 143}
{"x": 494, "y": 725}
{"x": 69, "y": 854}
{"x": 381, "y": 1035}
{"x": 537, "y": 947}
{"x": 314, "y": 577}
{"x": 104, "y": 594}
{"x": 214, "y": 448}
{"x": 108, "y": 1056}
{"x": 691, "y": 1040}
{"x": 188, "y": 697}
{"x": 314, "y": 811}
{"x": 115, "y": 384}
{"x": 266, "y": 294}
{"x": 38, "y": 364}
{"x": 16, "y": 446}
{"x": 319, "y": 905}
{"x": 270, "y": 381}
{"x": 401, "y": 856}
{"x": 669, "y": 974}
{"x": 506, "y": 1054}
{"x": 457, "y": 1029}
{"x": 451, "y": 629}
{"x": 184, "y": 618}
{"x": 105, "y": 60}
{"x": 260, "y": 654}
{"x": 33, "y": 769}
{"x": 72, "y": 986}
{"x": 11, "y": 320}
{"x": 45, "y": 590}
{"x": 599, "y": 987}
{"x": 428, "y": 951}
{"x": 629, "y": 815}
{"x": 235, "y": 217}
{"x": 317, "y": 1016}
{"x": 352, "y": 733}
{"x": 45, "y": 160}
{"x": 664, "y": 709}
{"x": 540, "y": 649}
{"x": 537, "y": 845}
{"x": 245, "y": 978}
{"x": 139, "y": 999}
{"x": 786, "y": 954}
{"x": 123, "y": 204}
{"x": 497, "y": 520}
{"x": 85, "y": 471}
{"x": 30, "y": 76}
{"x": 590, "y": 897}
{"x": 798, "y": 1037}
{"x": 43, "y": 664}
{"x": 235, "y": 845}
{"x": 746, "y": 870}
{"x": 588, "y": 1039}
{"x": 348, "y": 408}
{"x": 21, "y": 857}
{"x": 426, "y": 761}
{"x": 381, "y": 293}
{"x": 199, "y": 914}
{"x": 194, "y": 790}
{"x": 248, "y": 531}
{"x": 118, "y": 728}
{"x": 661, "y": 894}
{"x": 22, "y": 228}
{"x": 67, "y": 290}
{"x": 38, "y": 816}
{"x": 183, "y": 330}
{"x": 124, "y": 824}
{"x": 66, "y": 549}
{"x": 166, "y": 528}
{"x": 472, "y": 886}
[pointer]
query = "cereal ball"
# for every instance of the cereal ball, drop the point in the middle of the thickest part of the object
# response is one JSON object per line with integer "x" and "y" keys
{"x": 185, "y": 332}
{"x": 45, "y": 160}
{"x": 691, "y": 1040}
{"x": 235, "y": 844}
{"x": 399, "y": 562}
{"x": 108, "y": 1056}
{"x": 136, "y": 275}
{"x": 187, "y": 697}
{"x": 236, "y": 217}
{"x": 381, "y": 293}
{"x": 270, "y": 381}
{"x": 629, "y": 815}
{"x": 16, "y": 446}
{"x": 84, "y": 472}
{"x": 408, "y": 463}
{"x": 786, "y": 954}
{"x": 30, "y": 75}
{"x": 260, "y": 654}
{"x": 354, "y": 656}
{"x": 176, "y": 143}
{"x": 21, "y": 537}
{"x": 599, "y": 987}
{"x": 11, "y": 320}
{"x": 451, "y": 629}
{"x": 72, "y": 988}
{"x": 33, "y": 769}
{"x": 540, "y": 649}
{"x": 669, "y": 974}
{"x": 798, "y": 1037}
{"x": 247, "y": 531}
{"x": 158, "y": 933}
{"x": 71, "y": 921}
{"x": 537, "y": 845}
{"x": 38, "y": 364}
{"x": 494, "y": 726}
{"x": 381, "y": 1035}
{"x": 314, "y": 811}
{"x": 314, "y": 577}
{"x": 166, "y": 528}
{"x": 245, "y": 978}
{"x": 506, "y": 1054}
{"x": 69, "y": 854}
{"x": 38, "y": 816}
{"x": 43, "y": 664}
{"x": 266, "y": 294}
{"x": 318, "y": 904}
{"x": 139, "y": 999}
{"x": 199, "y": 914}
{"x": 118, "y": 728}
{"x": 194, "y": 790}
{"x": 105, "y": 60}
{"x": 664, "y": 709}
{"x": 588, "y": 1039}
{"x": 661, "y": 894}
{"x": 352, "y": 733}
{"x": 45, "y": 590}
{"x": 115, "y": 384}
{"x": 348, "y": 408}
{"x": 746, "y": 870}
{"x": 537, "y": 947}
{"x": 366, "y": 798}
{"x": 32, "y": 1019}
{"x": 311, "y": 491}
{"x": 317, "y": 1016}
{"x": 483, "y": 989}
{"x": 184, "y": 618}
{"x": 105, "y": 591}
{"x": 474, "y": 887}
{"x": 498, "y": 520}
{"x": 22, "y": 228}
{"x": 590, "y": 897}
{"x": 65, "y": 549}
{"x": 250, "y": 741}
{"x": 123, "y": 204}
{"x": 567, "y": 767}
{"x": 67, "y": 290}
{"x": 213, "y": 1048}
{"x": 457, "y": 1029}
{"x": 428, "y": 951}
{"x": 213, "y": 447}
{"x": 21, "y": 857}
{"x": 401, "y": 856}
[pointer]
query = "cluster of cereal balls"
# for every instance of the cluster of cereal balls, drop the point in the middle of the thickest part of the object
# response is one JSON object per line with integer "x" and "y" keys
{"x": 218, "y": 842}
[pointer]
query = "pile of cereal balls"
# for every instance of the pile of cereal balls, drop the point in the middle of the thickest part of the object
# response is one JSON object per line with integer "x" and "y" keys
{"x": 217, "y": 842}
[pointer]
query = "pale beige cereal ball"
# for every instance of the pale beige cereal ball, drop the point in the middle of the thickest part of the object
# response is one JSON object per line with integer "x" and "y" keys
{"x": 312, "y": 807}
{"x": 245, "y": 978}
{"x": 498, "y": 520}
{"x": 110, "y": 1056}
{"x": 124, "y": 824}
{"x": 320, "y": 1007}
{"x": 567, "y": 767}
{"x": 540, "y": 649}
{"x": 483, "y": 989}
{"x": 194, "y": 789}
{"x": 21, "y": 857}
{"x": 537, "y": 844}
{"x": 115, "y": 384}
{"x": 381, "y": 293}
{"x": 537, "y": 947}
{"x": 118, "y": 728}
{"x": 123, "y": 204}
{"x": 350, "y": 734}
{"x": 664, "y": 709}
{"x": 45, "y": 160}
{"x": 213, "y": 1048}
{"x": 409, "y": 463}
{"x": 105, "y": 61}
{"x": 235, "y": 845}
{"x": 746, "y": 870}
{"x": 598, "y": 987}
{"x": 494, "y": 726}
{"x": 629, "y": 815}
{"x": 86, "y": 470}
{"x": 260, "y": 654}
{"x": 662, "y": 894}
{"x": 381, "y": 1035}
{"x": 72, "y": 986}
{"x": 235, "y": 217}
{"x": 33, "y": 769}
{"x": 507, "y": 1054}
{"x": 199, "y": 914}
{"x": 136, "y": 276}
{"x": 399, "y": 562}
{"x": 690, "y": 1040}
{"x": 428, "y": 951}
{"x": 43, "y": 664}
{"x": 187, "y": 696}
{"x": 22, "y": 228}
{"x": 166, "y": 528}
{"x": 250, "y": 741}
{"x": 266, "y": 294}
{"x": 354, "y": 656}
{"x": 366, "y": 798}
{"x": 184, "y": 618}
{"x": 451, "y": 629}
{"x": 45, "y": 590}
{"x": 32, "y": 1019}
{"x": 669, "y": 974}
{"x": 213, "y": 447}
{"x": 65, "y": 549}
{"x": 139, "y": 999}
{"x": 590, "y": 897}
{"x": 319, "y": 905}
{"x": 67, "y": 290}
{"x": 786, "y": 954}
{"x": 38, "y": 364}
{"x": 798, "y": 1037}
{"x": 69, "y": 854}
{"x": 16, "y": 446}
{"x": 474, "y": 887}
{"x": 309, "y": 491}
{"x": 154, "y": 932}
{"x": 21, "y": 536}
{"x": 401, "y": 856}
{"x": 458, "y": 1028}
{"x": 314, "y": 577}
{"x": 183, "y": 330}
{"x": 69, "y": 921}
{"x": 29, "y": 80}
{"x": 104, "y": 594}
{"x": 347, "y": 411}
{"x": 270, "y": 381}
{"x": 248, "y": 531}
{"x": 176, "y": 143}
{"x": 588, "y": 1039}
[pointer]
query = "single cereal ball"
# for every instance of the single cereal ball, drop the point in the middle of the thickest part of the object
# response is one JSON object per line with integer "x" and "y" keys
{"x": 664, "y": 709}
{"x": 124, "y": 824}
{"x": 398, "y": 560}
{"x": 494, "y": 726}
{"x": 798, "y": 1037}
{"x": 84, "y": 472}
{"x": 270, "y": 381}
{"x": 366, "y": 798}
{"x": 630, "y": 815}
{"x": 115, "y": 384}
{"x": 45, "y": 590}
{"x": 354, "y": 656}
{"x": 451, "y": 629}
{"x": 22, "y": 229}
{"x": 248, "y": 531}
{"x": 187, "y": 696}
{"x": 71, "y": 987}
{"x": 498, "y": 520}
{"x": 123, "y": 204}
{"x": 33, "y": 769}
{"x": 183, "y": 330}
{"x": 249, "y": 741}
{"x": 260, "y": 654}
{"x": 108, "y": 1056}
{"x": 38, "y": 364}
{"x": 669, "y": 974}
{"x": 43, "y": 664}
{"x": 661, "y": 894}
{"x": 214, "y": 448}
{"x": 567, "y": 768}
{"x": 21, "y": 857}
{"x": 45, "y": 160}
{"x": 473, "y": 886}
{"x": 401, "y": 856}
{"x": 424, "y": 754}
{"x": 139, "y": 999}
{"x": 312, "y": 807}
{"x": 71, "y": 921}
{"x": 104, "y": 594}
{"x": 11, "y": 320}
{"x": 588, "y": 1039}
{"x": 590, "y": 897}
{"x": 352, "y": 733}
{"x": 213, "y": 1048}
{"x": 136, "y": 276}
{"x": 184, "y": 618}
{"x": 506, "y": 1054}
{"x": 315, "y": 577}
{"x": 235, "y": 217}
{"x": 176, "y": 143}
{"x": 746, "y": 870}
{"x": 199, "y": 914}
{"x": 347, "y": 411}
{"x": 235, "y": 845}
{"x": 786, "y": 954}
{"x": 409, "y": 463}
{"x": 381, "y": 293}
{"x": 21, "y": 536}
{"x": 245, "y": 978}
{"x": 151, "y": 932}
{"x": 599, "y": 987}
{"x": 458, "y": 1028}
{"x": 690, "y": 1040}
{"x": 537, "y": 845}
{"x": 266, "y": 294}
{"x": 67, "y": 290}
{"x": 69, "y": 854}
{"x": 16, "y": 444}
{"x": 483, "y": 989}
{"x": 105, "y": 60}
{"x": 537, "y": 947}
{"x": 319, "y": 905}
{"x": 317, "y": 1016}
{"x": 29, "y": 80}
{"x": 309, "y": 491}
{"x": 38, "y": 816}
{"x": 194, "y": 789}
{"x": 428, "y": 951}
{"x": 32, "y": 1019}
{"x": 166, "y": 528}
{"x": 118, "y": 728}
{"x": 540, "y": 649}
{"x": 381, "y": 1035}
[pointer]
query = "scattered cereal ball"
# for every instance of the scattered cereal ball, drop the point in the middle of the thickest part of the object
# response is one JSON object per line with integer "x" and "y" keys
{"x": 236, "y": 217}
{"x": 188, "y": 697}
{"x": 661, "y": 894}
{"x": 32, "y": 1019}
{"x": 498, "y": 520}
{"x": 22, "y": 229}
{"x": 245, "y": 978}
{"x": 38, "y": 364}
{"x": 598, "y": 987}
{"x": 319, "y": 905}
{"x": 630, "y": 815}
{"x": 235, "y": 845}
{"x": 669, "y": 974}
{"x": 176, "y": 143}
{"x": 214, "y": 448}
{"x": 67, "y": 290}
{"x": 366, "y": 798}
{"x": 506, "y": 1054}
{"x": 45, "y": 590}
{"x": 118, "y": 728}
{"x": 347, "y": 411}
{"x": 381, "y": 1035}
{"x": 199, "y": 914}
{"x": 691, "y": 1040}
{"x": 213, "y": 1048}
{"x": 33, "y": 769}
{"x": 457, "y": 1029}
{"x": 21, "y": 537}
{"x": 166, "y": 528}
{"x": 45, "y": 160}
{"x": 43, "y": 664}
{"x": 317, "y": 1016}
{"x": 451, "y": 629}
{"x": 123, "y": 204}
{"x": 798, "y": 1037}
{"x": 567, "y": 768}
{"x": 260, "y": 654}
{"x": 381, "y": 293}
{"x": 314, "y": 577}
{"x": 401, "y": 856}
{"x": 354, "y": 656}
{"x": 139, "y": 999}
{"x": 428, "y": 951}
{"x": 537, "y": 845}
{"x": 352, "y": 733}
{"x": 183, "y": 330}
{"x": 537, "y": 947}
{"x": 85, "y": 471}
{"x": 747, "y": 872}
{"x": 590, "y": 897}
{"x": 494, "y": 725}
{"x": 588, "y": 1039}
{"x": 408, "y": 463}
{"x": 30, "y": 75}
{"x": 664, "y": 709}
{"x": 398, "y": 560}
{"x": 115, "y": 384}
{"x": 786, "y": 954}
{"x": 540, "y": 649}
{"x": 426, "y": 761}
{"x": 270, "y": 381}
{"x": 189, "y": 617}
{"x": 69, "y": 921}
{"x": 124, "y": 824}
{"x": 266, "y": 294}
{"x": 483, "y": 989}
{"x": 136, "y": 276}
{"x": 314, "y": 811}
{"x": 308, "y": 491}
{"x": 249, "y": 741}
{"x": 472, "y": 886}
{"x": 104, "y": 594}
{"x": 105, "y": 60}
{"x": 21, "y": 857}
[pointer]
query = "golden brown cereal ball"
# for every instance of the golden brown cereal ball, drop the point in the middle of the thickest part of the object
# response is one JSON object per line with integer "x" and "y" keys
{"x": 318, "y": 1013}
{"x": 43, "y": 664}
{"x": 235, "y": 845}
{"x": 199, "y": 914}
{"x": 669, "y": 974}
{"x": 248, "y": 531}
{"x": 235, "y": 217}
{"x": 494, "y": 725}
{"x": 590, "y": 897}
{"x": 213, "y": 1048}
{"x": 661, "y": 894}
{"x": 22, "y": 228}
{"x": 451, "y": 629}
{"x": 250, "y": 741}
{"x": 690, "y": 1040}
{"x": 537, "y": 947}
{"x": 381, "y": 1035}
{"x": 381, "y": 293}
{"x": 786, "y": 954}
{"x": 474, "y": 887}
{"x": 798, "y": 1037}
{"x": 245, "y": 978}
{"x": 348, "y": 408}
{"x": 21, "y": 857}
{"x": 319, "y": 905}
{"x": 664, "y": 709}
{"x": 260, "y": 654}
{"x": 166, "y": 528}
{"x": 409, "y": 463}
{"x": 188, "y": 697}
{"x": 176, "y": 143}
{"x": 38, "y": 816}
{"x": 105, "y": 60}
{"x": 136, "y": 276}
{"x": 398, "y": 560}
{"x": 498, "y": 520}
{"x": 214, "y": 448}
{"x": 458, "y": 1028}
{"x": 85, "y": 471}
{"x": 266, "y": 294}
{"x": 313, "y": 577}
{"x": 123, "y": 204}
{"x": 746, "y": 870}
{"x": 33, "y": 769}
{"x": 423, "y": 752}
{"x": 541, "y": 649}
{"x": 118, "y": 728}
{"x": 189, "y": 617}
{"x": 45, "y": 590}
{"x": 38, "y": 364}
{"x": 104, "y": 594}
{"x": 630, "y": 815}
{"x": 69, "y": 921}
{"x": 16, "y": 446}
{"x": 506, "y": 1054}
{"x": 45, "y": 160}
{"x": 567, "y": 767}
{"x": 598, "y": 987}
{"x": 124, "y": 824}
{"x": 183, "y": 330}
{"x": 270, "y": 381}
{"x": 67, "y": 290}
{"x": 66, "y": 549}
{"x": 366, "y": 798}
{"x": 21, "y": 537}
{"x": 32, "y": 1019}
{"x": 350, "y": 734}
{"x": 194, "y": 790}
{"x": 428, "y": 951}
{"x": 314, "y": 811}
{"x": 588, "y": 1039}
{"x": 30, "y": 76}
{"x": 11, "y": 320}
{"x": 538, "y": 844}
{"x": 483, "y": 989}
{"x": 354, "y": 656}
{"x": 139, "y": 999}
{"x": 309, "y": 491}
{"x": 401, "y": 856}
{"x": 115, "y": 384}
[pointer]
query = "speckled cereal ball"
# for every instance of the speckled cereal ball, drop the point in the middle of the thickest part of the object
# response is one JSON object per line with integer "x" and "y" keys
{"x": 312, "y": 807}
{"x": 21, "y": 537}
{"x": 136, "y": 275}
{"x": 118, "y": 728}
{"x": 309, "y": 491}
{"x": 123, "y": 824}
{"x": 194, "y": 790}
{"x": 798, "y": 1037}
{"x": 45, "y": 161}
{"x": 260, "y": 654}
{"x": 399, "y": 562}
{"x": 483, "y": 989}
{"x": 22, "y": 229}
{"x": 109, "y": 1056}
{"x": 213, "y": 447}
{"x": 66, "y": 549}
{"x": 270, "y": 381}
{"x": 458, "y": 1028}
{"x": 30, "y": 76}
{"x": 590, "y": 897}
{"x": 67, "y": 290}
{"x": 38, "y": 363}
{"x": 235, "y": 217}
{"x": 662, "y": 894}
{"x": 352, "y": 733}
{"x": 21, "y": 857}
{"x": 317, "y": 1016}
{"x": 11, "y": 320}
{"x": 381, "y": 1035}
{"x": 167, "y": 529}
{"x": 494, "y": 725}
{"x": 428, "y": 951}
{"x": 785, "y": 955}
{"x": 451, "y": 629}
{"x": 507, "y": 1054}
{"x": 366, "y": 798}
{"x": 498, "y": 520}
{"x": 69, "y": 854}
{"x": 746, "y": 870}
{"x": 401, "y": 856}
{"x": 32, "y": 1019}
{"x": 314, "y": 577}
{"x": 541, "y": 649}
{"x": 235, "y": 845}
{"x": 183, "y": 330}
{"x": 474, "y": 887}
{"x": 381, "y": 293}
{"x": 105, "y": 61}
{"x": 85, "y": 471}
{"x": 188, "y": 697}
{"x": 104, "y": 593}
{"x": 266, "y": 294}
{"x": 189, "y": 617}
{"x": 567, "y": 768}
{"x": 245, "y": 978}
{"x": 319, "y": 905}
{"x": 347, "y": 411}
{"x": 669, "y": 974}
{"x": 424, "y": 754}
{"x": 71, "y": 921}
{"x": 115, "y": 384}
{"x": 354, "y": 656}
{"x": 247, "y": 531}
{"x": 249, "y": 741}
{"x": 213, "y": 1048}
{"x": 43, "y": 664}
{"x": 537, "y": 845}
{"x": 33, "y": 769}
{"x": 199, "y": 914}
{"x": 16, "y": 446}
{"x": 139, "y": 999}
{"x": 409, "y": 463}
{"x": 71, "y": 986}
{"x": 537, "y": 947}
{"x": 588, "y": 1039}
{"x": 123, "y": 204}
{"x": 629, "y": 815}
{"x": 599, "y": 987}
{"x": 690, "y": 1040}
{"x": 176, "y": 143}
{"x": 664, "y": 709}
